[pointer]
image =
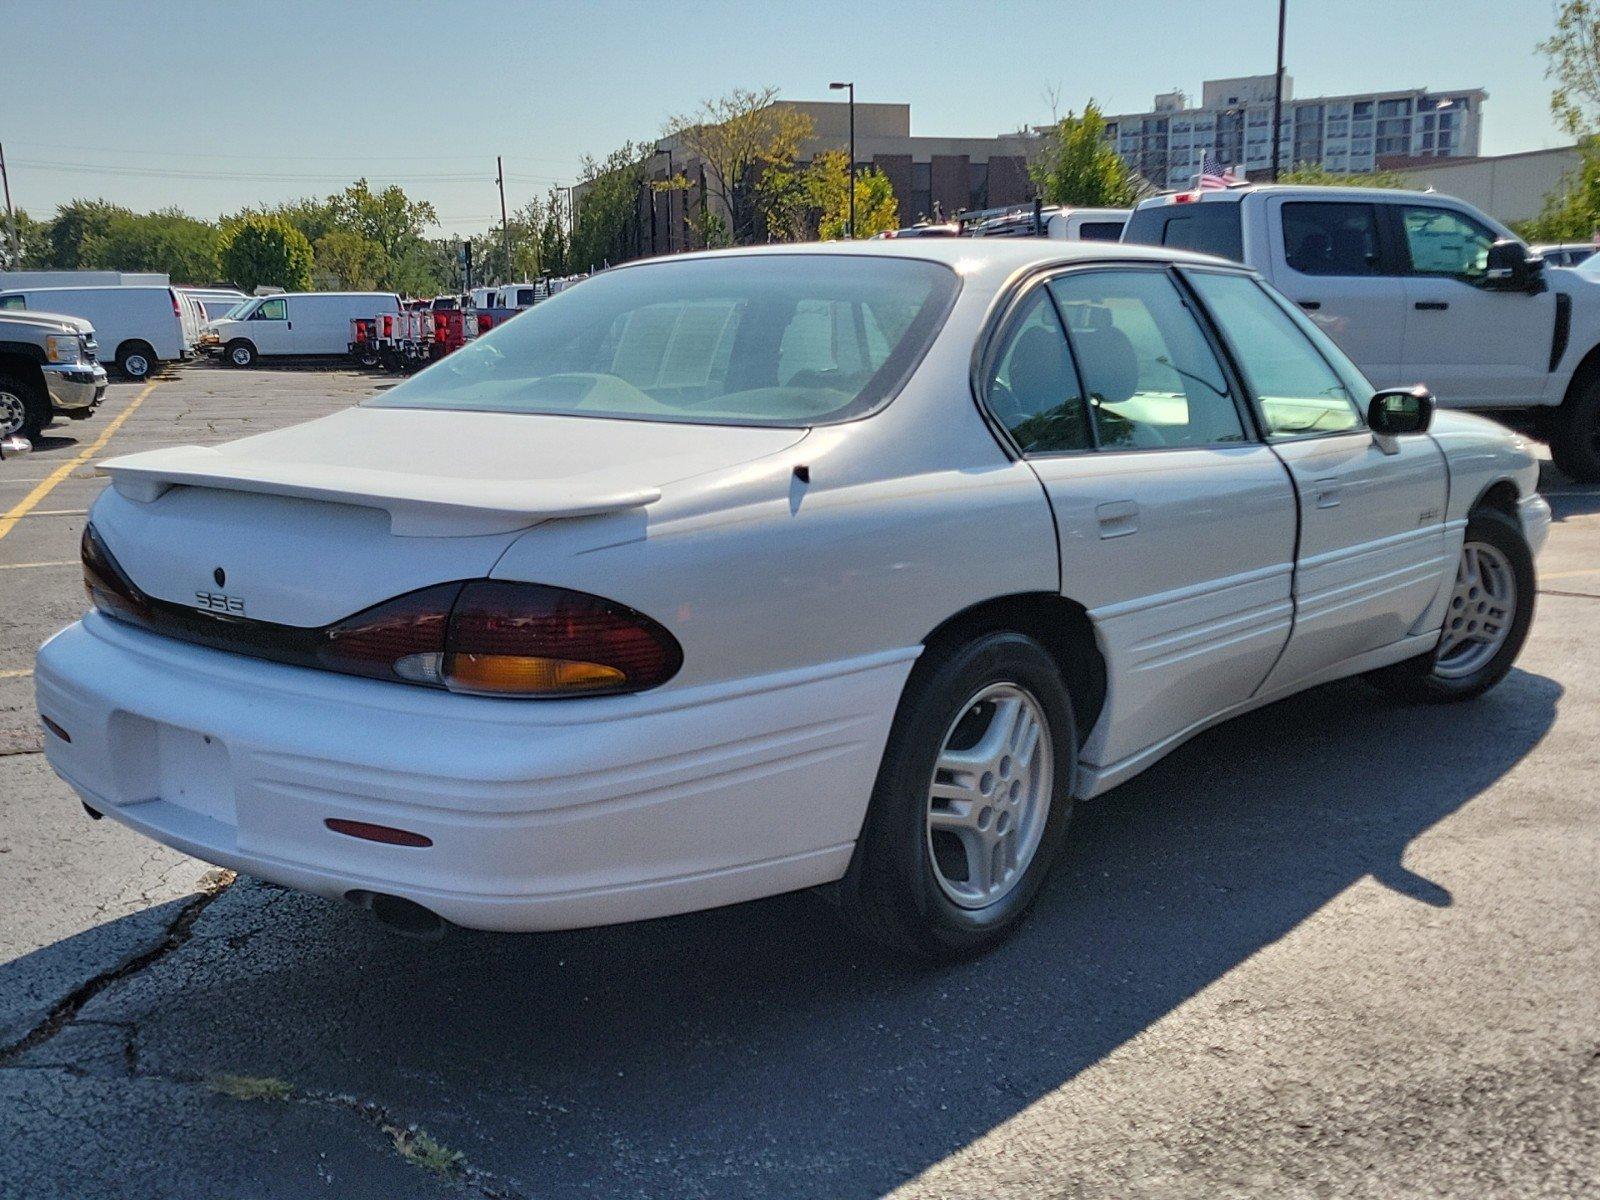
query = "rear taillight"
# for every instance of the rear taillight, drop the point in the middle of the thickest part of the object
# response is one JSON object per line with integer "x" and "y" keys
{"x": 177, "y": 309}
{"x": 110, "y": 590}
{"x": 491, "y": 638}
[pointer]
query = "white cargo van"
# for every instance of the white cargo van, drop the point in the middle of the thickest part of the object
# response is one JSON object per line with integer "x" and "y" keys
{"x": 139, "y": 327}
{"x": 1416, "y": 287}
{"x": 295, "y": 324}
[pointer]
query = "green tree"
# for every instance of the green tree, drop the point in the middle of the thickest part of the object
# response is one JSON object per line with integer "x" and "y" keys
{"x": 393, "y": 221}
{"x": 169, "y": 241}
{"x": 76, "y": 226}
{"x": 553, "y": 239}
{"x": 1572, "y": 60}
{"x": 1572, "y": 212}
{"x": 1079, "y": 165}
{"x": 828, "y": 185}
{"x": 607, "y": 226}
{"x": 740, "y": 137}
{"x": 35, "y": 239}
{"x": 261, "y": 250}
{"x": 1318, "y": 175}
{"x": 344, "y": 259}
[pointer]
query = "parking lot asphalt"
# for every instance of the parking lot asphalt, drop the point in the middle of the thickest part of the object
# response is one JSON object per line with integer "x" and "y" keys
{"x": 1343, "y": 946}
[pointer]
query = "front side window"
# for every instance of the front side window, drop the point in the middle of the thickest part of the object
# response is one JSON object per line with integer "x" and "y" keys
{"x": 1331, "y": 238}
{"x": 13, "y": 302}
{"x": 271, "y": 310}
{"x": 1299, "y": 393}
{"x": 1441, "y": 241}
{"x": 1033, "y": 390}
{"x": 1152, "y": 378}
{"x": 787, "y": 340}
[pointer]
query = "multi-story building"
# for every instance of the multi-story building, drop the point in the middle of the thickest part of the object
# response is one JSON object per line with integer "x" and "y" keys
{"x": 1358, "y": 133}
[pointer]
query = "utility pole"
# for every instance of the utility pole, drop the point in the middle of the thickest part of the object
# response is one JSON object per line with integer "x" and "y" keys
{"x": 1277, "y": 93}
{"x": 505, "y": 229}
{"x": 11, "y": 214}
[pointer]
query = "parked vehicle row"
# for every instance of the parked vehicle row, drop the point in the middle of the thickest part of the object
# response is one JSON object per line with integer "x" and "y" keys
{"x": 845, "y": 565}
{"x": 292, "y": 325}
{"x": 141, "y": 326}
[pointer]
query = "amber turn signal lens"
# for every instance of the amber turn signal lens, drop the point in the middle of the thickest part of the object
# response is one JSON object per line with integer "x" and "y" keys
{"x": 516, "y": 674}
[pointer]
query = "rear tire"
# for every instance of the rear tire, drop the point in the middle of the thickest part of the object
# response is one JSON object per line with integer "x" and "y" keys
{"x": 136, "y": 361}
{"x": 24, "y": 408}
{"x": 240, "y": 353}
{"x": 1575, "y": 434}
{"x": 949, "y": 860}
{"x": 1494, "y": 559}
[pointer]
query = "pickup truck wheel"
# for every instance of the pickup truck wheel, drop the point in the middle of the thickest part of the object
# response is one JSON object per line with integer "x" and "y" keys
{"x": 1575, "y": 438}
{"x": 135, "y": 361}
{"x": 240, "y": 353}
{"x": 24, "y": 408}
{"x": 1491, "y": 607}
{"x": 972, "y": 801}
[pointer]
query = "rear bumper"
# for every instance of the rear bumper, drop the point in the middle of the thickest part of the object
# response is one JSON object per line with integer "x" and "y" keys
{"x": 74, "y": 389}
{"x": 541, "y": 815}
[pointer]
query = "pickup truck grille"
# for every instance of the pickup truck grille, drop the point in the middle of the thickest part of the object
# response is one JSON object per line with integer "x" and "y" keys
{"x": 91, "y": 348}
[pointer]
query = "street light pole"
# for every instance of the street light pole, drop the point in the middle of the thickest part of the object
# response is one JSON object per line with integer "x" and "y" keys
{"x": 1277, "y": 93}
{"x": 835, "y": 87}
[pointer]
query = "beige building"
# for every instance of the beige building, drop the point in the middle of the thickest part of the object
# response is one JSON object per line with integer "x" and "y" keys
{"x": 1509, "y": 187}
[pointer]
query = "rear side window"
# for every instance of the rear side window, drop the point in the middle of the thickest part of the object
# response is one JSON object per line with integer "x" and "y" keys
{"x": 1100, "y": 231}
{"x": 1204, "y": 228}
{"x": 1152, "y": 378}
{"x": 1325, "y": 238}
{"x": 13, "y": 302}
{"x": 1300, "y": 394}
{"x": 1033, "y": 390}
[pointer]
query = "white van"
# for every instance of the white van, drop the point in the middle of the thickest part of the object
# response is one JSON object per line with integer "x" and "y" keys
{"x": 215, "y": 303}
{"x": 139, "y": 327}
{"x": 299, "y": 324}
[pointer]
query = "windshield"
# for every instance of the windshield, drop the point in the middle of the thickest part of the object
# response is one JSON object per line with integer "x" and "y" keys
{"x": 787, "y": 340}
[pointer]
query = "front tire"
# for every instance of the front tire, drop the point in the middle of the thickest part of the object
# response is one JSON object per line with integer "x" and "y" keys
{"x": 972, "y": 800}
{"x": 1491, "y": 608}
{"x": 1575, "y": 435}
{"x": 240, "y": 353}
{"x": 24, "y": 408}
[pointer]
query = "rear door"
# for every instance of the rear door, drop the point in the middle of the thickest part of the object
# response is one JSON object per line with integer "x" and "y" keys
{"x": 1475, "y": 346}
{"x": 1373, "y": 546}
{"x": 1176, "y": 526}
{"x": 1334, "y": 259}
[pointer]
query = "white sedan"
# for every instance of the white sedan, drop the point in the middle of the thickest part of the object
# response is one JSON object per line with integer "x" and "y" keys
{"x": 729, "y": 574}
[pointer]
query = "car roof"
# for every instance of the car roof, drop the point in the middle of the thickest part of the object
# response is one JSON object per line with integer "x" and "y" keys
{"x": 966, "y": 255}
{"x": 1214, "y": 195}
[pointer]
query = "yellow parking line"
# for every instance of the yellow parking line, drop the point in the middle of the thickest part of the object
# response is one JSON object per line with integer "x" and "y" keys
{"x": 29, "y": 502}
{"x": 18, "y": 673}
{"x": 1543, "y": 578}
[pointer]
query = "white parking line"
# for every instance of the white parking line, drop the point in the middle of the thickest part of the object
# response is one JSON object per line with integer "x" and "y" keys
{"x": 17, "y": 673}
{"x": 59, "y": 562}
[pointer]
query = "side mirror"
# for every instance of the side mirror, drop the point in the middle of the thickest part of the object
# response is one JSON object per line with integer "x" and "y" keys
{"x": 15, "y": 446}
{"x": 1395, "y": 411}
{"x": 1512, "y": 267}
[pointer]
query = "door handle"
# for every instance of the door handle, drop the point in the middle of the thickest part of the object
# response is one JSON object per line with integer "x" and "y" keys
{"x": 1118, "y": 518}
{"x": 1431, "y": 305}
{"x": 1309, "y": 305}
{"x": 1326, "y": 493}
{"x": 290, "y": 324}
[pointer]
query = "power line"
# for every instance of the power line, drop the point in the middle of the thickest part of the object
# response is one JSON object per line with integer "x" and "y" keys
{"x": 345, "y": 158}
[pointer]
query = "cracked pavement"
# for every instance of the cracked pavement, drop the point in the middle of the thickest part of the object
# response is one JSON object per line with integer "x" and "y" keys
{"x": 1339, "y": 947}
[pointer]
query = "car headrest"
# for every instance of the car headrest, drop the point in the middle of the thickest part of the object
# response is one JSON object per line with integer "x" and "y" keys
{"x": 1041, "y": 377}
{"x": 1110, "y": 366}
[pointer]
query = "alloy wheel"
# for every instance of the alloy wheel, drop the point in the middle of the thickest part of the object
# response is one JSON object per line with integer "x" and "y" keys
{"x": 1482, "y": 607}
{"x": 989, "y": 799}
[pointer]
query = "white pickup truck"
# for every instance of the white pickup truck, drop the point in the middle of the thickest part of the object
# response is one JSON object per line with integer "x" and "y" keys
{"x": 1416, "y": 288}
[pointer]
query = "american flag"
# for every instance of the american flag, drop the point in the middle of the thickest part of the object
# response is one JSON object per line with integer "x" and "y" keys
{"x": 1213, "y": 174}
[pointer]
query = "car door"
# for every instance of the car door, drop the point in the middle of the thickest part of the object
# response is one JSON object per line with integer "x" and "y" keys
{"x": 1373, "y": 554}
{"x": 1332, "y": 258}
{"x": 1474, "y": 345}
{"x": 1176, "y": 527}
{"x": 269, "y": 326}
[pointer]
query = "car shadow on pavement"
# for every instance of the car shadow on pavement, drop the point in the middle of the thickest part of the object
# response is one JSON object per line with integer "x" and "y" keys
{"x": 760, "y": 1050}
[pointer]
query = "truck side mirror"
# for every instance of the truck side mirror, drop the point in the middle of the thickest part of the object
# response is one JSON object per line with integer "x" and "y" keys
{"x": 1512, "y": 267}
{"x": 1395, "y": 411}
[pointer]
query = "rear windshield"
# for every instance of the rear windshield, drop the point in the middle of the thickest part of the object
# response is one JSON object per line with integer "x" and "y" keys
{"x": 1205, "y": 228}
{"x": 785, "y": 340}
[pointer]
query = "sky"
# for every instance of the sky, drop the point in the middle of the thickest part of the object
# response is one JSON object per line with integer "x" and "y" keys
{"x": 212, "y": 106}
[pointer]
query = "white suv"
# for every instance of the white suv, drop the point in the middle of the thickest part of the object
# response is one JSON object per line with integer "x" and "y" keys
{"x": 1416, "y": 287}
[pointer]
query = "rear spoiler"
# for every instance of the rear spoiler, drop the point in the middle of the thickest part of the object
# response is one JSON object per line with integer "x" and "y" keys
{"x": 418, "y": 505}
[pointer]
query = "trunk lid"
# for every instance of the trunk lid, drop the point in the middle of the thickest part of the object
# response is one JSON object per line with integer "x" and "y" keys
{"x": 309, "y": 524}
